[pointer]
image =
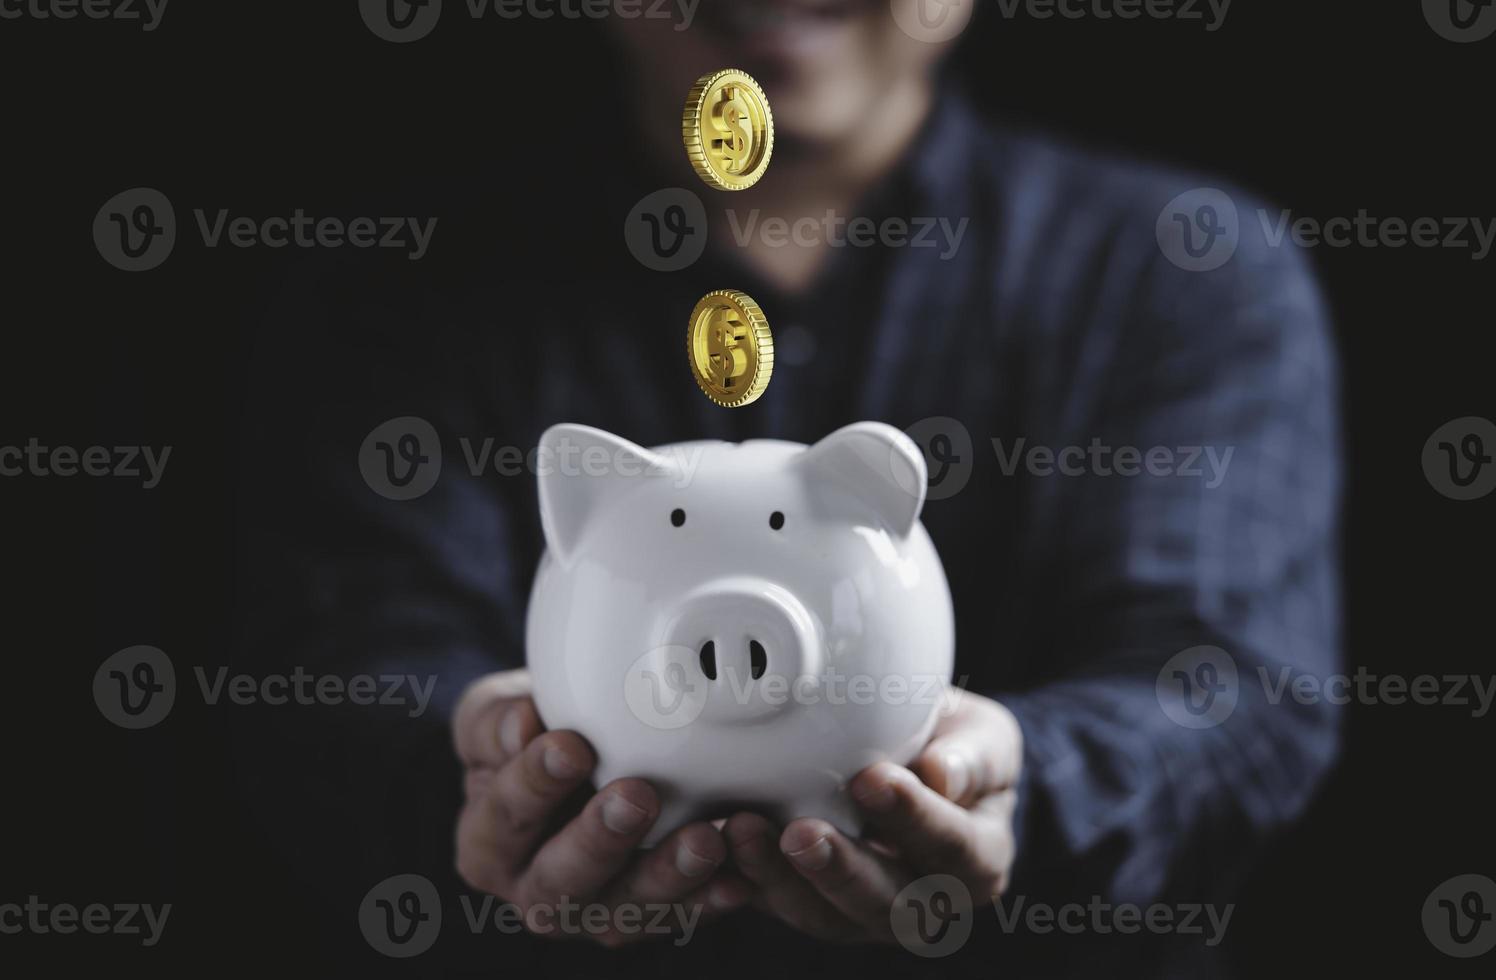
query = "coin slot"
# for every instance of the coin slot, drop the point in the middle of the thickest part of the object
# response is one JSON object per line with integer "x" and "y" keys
{"x": 709, "y": 660}
{"x": 758, "y": 660}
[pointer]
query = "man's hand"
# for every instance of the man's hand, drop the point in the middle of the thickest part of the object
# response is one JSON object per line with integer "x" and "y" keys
{"x": 530, "y": 834}
{"x": 951, "y": 815}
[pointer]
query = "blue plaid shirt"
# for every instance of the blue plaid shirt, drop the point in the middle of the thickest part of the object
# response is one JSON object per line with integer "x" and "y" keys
{"x": 1040, "y": 363}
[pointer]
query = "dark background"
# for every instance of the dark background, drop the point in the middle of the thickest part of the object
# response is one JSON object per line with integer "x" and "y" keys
{"x": 262, "y": 108}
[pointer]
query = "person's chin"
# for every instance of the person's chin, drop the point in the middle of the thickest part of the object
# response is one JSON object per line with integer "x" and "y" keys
{"x": 807, "y": 122}
{"x": 785, "y": 39}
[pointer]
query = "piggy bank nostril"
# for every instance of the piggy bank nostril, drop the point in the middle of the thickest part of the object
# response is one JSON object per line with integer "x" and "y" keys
{"x": 758, "y": 660}
{"x": 709, "y": 660}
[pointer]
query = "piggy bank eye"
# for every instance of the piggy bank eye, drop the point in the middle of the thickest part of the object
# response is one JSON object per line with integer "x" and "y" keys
{"x": 776, "y": 520}
{"x": 677, "y": 517}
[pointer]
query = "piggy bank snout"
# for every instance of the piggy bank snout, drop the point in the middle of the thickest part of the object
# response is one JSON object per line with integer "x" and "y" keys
{"x": 755, "y": 645}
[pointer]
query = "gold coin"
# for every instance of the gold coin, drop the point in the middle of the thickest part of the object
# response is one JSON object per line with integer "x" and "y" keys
{"x": 730, "y": 348}
{"x": 728, "y": 129}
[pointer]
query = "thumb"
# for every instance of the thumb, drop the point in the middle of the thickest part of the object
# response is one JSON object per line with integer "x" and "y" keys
{"x": 976, "y": 754}
{"x": 495, "y": 718}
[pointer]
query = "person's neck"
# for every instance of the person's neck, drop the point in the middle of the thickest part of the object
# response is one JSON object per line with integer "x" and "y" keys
{"x": 806, "y": 180}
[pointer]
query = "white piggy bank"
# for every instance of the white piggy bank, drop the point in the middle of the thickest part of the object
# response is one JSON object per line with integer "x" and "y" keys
{"x": 746, "y": 626}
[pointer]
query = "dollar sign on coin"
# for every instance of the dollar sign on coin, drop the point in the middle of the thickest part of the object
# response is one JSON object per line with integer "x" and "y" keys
{"x": 728, "y": 129}
{"x": 730, "y": 115}
{"x": 730, "y": 348}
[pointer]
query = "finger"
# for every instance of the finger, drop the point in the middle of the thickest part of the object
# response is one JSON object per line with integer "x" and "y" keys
{"x": 976, "y": 751}
{"x": 780, "y": 891}
{"x": 495, "y": 719}
{"x": 723, "y": 893}
{"x": 933, "y": 834}
{"x": 726, "y": 892}
{"x": 858, "y": 883}
{"x": 592, "y": 849}
{"x": 501, "y": 827}
{"x": 476, "y": 783}
{"x": 681, "y": 864}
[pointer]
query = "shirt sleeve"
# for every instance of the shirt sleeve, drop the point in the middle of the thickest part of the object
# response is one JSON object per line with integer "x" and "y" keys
{"x": 1162, "y": 745}
{"x": 388, "y": 541}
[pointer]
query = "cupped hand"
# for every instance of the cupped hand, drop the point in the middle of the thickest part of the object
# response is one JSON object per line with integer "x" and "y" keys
{"x": 532, "y": 833}
{"x": 950, "y": 812}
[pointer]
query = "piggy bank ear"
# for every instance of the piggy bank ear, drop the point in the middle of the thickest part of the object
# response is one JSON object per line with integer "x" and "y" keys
{"x": 878, "y": 467}
{"x": 579, "y": 468}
